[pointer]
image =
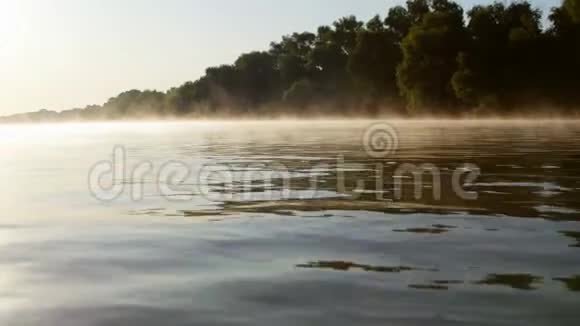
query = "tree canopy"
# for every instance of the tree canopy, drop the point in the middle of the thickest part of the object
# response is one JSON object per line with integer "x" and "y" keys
{"x": 428, "y": 57}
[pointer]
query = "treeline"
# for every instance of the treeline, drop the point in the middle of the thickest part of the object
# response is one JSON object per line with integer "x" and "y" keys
{"x": 426, "y": 58}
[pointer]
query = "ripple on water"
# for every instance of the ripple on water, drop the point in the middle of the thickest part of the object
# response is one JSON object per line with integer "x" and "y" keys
{"x": 555, "y": 209}
{"x": 574, "y": 235}
{"x": 346, "y": 265}
{"x": 515, "y": 281}
{"x": 572, "y": 283}
{"x": 546, "y": 186}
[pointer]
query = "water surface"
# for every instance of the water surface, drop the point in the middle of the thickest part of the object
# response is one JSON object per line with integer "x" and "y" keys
{"x": 277, "y": 241}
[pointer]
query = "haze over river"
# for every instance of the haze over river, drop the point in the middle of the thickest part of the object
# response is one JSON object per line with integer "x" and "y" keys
{"x": 290, "y": 223}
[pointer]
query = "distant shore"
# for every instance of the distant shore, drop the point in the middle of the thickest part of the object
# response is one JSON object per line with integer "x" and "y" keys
{"x": 424, "y": 59}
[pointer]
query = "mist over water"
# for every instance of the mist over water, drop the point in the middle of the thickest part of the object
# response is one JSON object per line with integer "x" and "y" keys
{"x": 294, "y": 222}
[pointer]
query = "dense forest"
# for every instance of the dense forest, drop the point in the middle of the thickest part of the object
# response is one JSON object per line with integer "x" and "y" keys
{"x": 429, "y": 57}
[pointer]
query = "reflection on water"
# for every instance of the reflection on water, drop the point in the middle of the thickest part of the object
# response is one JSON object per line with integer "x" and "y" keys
{"x": 345, "y": 266}
{"x": 574, "y": 235}
{"x": 234, "y": 251}
{"x": 435, "y": 230}
{"x": 516, "y": 281}
{"x": 428, "y": 287}
{"x": 572, "y": 283}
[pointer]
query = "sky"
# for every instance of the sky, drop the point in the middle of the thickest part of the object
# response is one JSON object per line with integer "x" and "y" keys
{"x": 63, "y": 54}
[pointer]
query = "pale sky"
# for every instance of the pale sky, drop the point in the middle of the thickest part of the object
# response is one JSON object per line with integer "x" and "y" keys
{"x": 60, "y": 54}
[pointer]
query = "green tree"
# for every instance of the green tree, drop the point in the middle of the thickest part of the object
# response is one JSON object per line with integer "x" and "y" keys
{"x": 374, "y": 59}
{"x": 563, "y": 57}
{"x": 573, "y": 8}
{"x": 399, "y": 21}
{"x": 422, "y": 54}
{"x": 501, "y": 65}
{"x": 134, "y": 104}
{"x": 301, "y": 94}
{"x": 429, "y": 59}
{"x": 257, "y": 77}
{"x": 292, "y": 55}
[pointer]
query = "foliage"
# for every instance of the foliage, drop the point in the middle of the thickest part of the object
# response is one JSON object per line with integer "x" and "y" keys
{"x": 426, "y": 55}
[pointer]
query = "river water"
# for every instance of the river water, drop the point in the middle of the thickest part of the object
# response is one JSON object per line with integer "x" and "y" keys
{"x": 290, "y": 223}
